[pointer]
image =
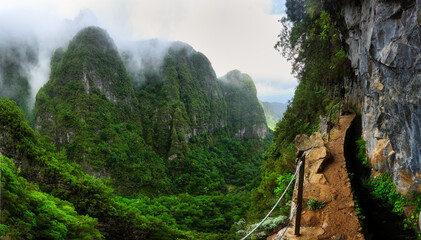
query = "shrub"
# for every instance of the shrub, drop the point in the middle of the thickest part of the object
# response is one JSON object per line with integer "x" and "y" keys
{"x": 314, "y": 204}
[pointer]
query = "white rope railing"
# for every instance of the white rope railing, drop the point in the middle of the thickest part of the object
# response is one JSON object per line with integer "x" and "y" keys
{"x": 276, "y": 204}
{"x": 309, "y": 180}
{"x": 286, "y": 189}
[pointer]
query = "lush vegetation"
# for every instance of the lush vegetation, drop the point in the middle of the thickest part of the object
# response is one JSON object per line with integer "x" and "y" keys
{"x": 75, "y": 197}
{"x": 361, "y": 154}
{"x": 377, "y": 202}
{"x": 272, "y": 116}
{"x": 95, "y": 128}
{"x": 181, "y": 100}
{"x": 218, "y": 164}
{"x": 270, "y": 226}
{"x": 244, "y": 112}
{"x": 156, "y": 160}
{"x": 63, "y": 180}
{"x": 29, "y": 213}
{"x": 383, "y": 189}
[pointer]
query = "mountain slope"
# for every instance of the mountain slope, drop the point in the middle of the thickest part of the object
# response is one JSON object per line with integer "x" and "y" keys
{"x": 273, "y": 113}
{"x": 88, "y": 108}
{"x": 245, "y": 114}
{"x": 169, "y": 135}
{"x": 40, "y": 164}
{"x": 179, "y": 100}
{"x": 184, "y": 117}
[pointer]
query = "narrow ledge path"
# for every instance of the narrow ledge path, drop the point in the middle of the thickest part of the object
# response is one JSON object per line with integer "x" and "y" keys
{"x": 326, "y": 179}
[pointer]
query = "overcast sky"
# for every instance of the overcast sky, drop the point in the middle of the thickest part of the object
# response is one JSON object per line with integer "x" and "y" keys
{"x": 233, "y": 34}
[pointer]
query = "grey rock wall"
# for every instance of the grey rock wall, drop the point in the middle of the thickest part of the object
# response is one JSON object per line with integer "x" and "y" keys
{"x": 384, "y": 40}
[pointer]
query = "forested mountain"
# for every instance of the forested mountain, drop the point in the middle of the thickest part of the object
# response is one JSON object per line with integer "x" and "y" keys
{"x": 179, "y": 100}
{"x": 274, "y": 112}
{"x": 245, "y": 115}
{"x": 89, "y": 110}
{"x": 180, "y": 144}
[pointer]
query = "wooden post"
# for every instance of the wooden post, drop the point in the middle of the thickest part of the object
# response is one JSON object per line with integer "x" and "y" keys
{"x": 300, "y": 196}
{"x": 329, "y": 123}
{"x": 340, "y": 110}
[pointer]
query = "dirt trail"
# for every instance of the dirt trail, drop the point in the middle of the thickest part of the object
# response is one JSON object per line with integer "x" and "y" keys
{"x": 326, "y": 179}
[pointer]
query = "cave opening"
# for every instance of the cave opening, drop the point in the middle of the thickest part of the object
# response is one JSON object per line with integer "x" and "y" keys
{"x": 378, "y": 221}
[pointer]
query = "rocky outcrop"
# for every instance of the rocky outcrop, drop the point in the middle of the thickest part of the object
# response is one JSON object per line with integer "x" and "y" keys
{"x": 384, "y": 44}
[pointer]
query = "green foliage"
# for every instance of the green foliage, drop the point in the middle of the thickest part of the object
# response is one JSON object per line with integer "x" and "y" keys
{"x": 29, "y": 213}
{"x": 244, "y": 109}
{"x": 312, "y": 43}
{"x": 268, "y": 227}
{"x": 383, "y": 188}
{"x": 88, "y": 110}
{"x": 362, "y": 152}
{"x": 136, "y": 148}
{"x": 283, "y": 182}
{"x": 358, "y": 210}
{"x": 272, "y": 117}
{"x": 411, "y": 222}
{"x": 219, "y": 164}
{"x": 314, "y": 204}
{"x": 183, "y": 97}
{"x": 332, "y": 108}
{"x": 295, "y": 9}
{"x": 170, "y": 135}
{"x": 263, "y": 197}
{"x": 57, "y": 177}
{"x": 209, "y": 214}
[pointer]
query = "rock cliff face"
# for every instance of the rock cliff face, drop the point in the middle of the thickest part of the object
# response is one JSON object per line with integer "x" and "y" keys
{"x": 245, "y": 113}
{"x": 384, "y": 41}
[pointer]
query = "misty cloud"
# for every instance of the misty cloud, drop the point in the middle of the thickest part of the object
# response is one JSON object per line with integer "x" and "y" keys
{"x": 146, "y": 57}
{"x": 28, "y": 39}
{"x": 143, "y": 57}
{"x": 235, "y": 34}
{"x": 17, "y": 57}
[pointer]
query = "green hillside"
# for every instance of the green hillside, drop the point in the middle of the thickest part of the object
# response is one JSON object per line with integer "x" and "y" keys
{"x": 89, "y": 110}
{"x": 245, "y": 114}
{"x": 119, "y": 157}
{"x": 272, "y": 116}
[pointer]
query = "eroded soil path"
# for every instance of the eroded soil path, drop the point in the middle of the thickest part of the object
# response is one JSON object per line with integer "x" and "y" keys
{"x": 326, "y": 179}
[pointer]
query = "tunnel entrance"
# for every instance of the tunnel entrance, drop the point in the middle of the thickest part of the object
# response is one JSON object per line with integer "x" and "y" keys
{"x": 379, "y": 221}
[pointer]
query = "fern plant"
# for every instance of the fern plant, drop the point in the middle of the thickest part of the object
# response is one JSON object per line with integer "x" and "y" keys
{"x": 314, "y": 204}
